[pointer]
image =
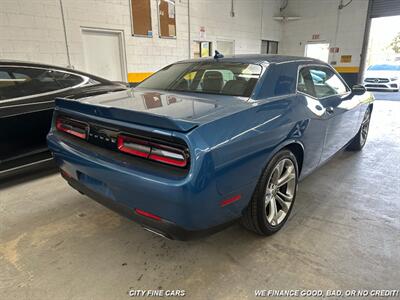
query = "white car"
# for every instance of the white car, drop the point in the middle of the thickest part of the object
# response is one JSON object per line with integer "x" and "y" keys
{"x": 383, "y": 77}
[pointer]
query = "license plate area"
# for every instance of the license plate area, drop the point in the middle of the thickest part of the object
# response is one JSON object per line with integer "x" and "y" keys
{"x": 95, "y": 185}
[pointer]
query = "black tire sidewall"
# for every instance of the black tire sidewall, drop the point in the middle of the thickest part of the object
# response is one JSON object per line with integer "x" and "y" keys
{"x": 264, "y": 225}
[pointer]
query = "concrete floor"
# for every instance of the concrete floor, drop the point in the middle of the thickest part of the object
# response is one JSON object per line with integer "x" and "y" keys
{"x": 344, "y": 233}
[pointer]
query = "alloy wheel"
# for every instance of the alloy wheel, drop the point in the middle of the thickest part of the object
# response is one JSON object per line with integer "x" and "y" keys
{"x": 280, "y": 191}
{"x": 365, "y": 127}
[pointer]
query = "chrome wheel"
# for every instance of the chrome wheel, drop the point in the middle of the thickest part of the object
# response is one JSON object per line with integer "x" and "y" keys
{"x": 280, "y": 190}
{"x": 365, "y": 127}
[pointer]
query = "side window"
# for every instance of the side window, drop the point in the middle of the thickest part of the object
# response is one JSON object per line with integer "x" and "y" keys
{"x": 326, "y": 82}
{"x": 18, "y": 82}
{"x": 66, "y": 79}
{"x": 305, "y": 82}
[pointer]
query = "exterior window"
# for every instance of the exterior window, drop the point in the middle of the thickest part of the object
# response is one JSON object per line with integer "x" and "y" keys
{"x": 18, "y": 82}
{"x": 269, "y": 47}
{"x": 141, "y": 18}
{"x": 320, "y": 82}
{"x": 166, "y": 16}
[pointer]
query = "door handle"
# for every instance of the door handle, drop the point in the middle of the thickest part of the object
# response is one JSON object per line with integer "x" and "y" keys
{"x": 329, "y": 110}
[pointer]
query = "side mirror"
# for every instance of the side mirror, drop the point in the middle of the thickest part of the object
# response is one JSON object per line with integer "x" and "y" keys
{"x": 358, "y": 89}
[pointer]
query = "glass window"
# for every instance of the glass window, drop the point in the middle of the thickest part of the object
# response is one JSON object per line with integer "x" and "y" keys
{"x": 320, "y": 82}
{"x": 236, "y": 79}
{"x": 326, "y": 82}
{"x": 305, "y": 82}
{"x": 166, "y": 17}
{"x": 18, "y": 82}
{"x": 66, "y": 79}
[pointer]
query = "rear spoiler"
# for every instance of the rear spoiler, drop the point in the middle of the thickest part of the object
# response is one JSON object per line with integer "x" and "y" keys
{"x": 124, "y": 115}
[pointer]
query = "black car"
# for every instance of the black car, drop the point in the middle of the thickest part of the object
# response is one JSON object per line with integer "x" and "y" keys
{"x": 27, "y": 93}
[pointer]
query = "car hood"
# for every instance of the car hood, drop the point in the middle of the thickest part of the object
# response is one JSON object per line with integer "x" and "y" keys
{"x": 381, "y": 74}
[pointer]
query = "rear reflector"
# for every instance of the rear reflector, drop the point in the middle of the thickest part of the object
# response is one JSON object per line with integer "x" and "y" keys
{"x": 146, "y": 214}
{"x": 72, "y": 127}
{"x": 230, "y": 200}
{"x": 154, "y": 151}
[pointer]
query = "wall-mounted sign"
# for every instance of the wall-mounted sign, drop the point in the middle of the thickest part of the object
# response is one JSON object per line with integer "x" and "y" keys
{"x": 202, "y": 33}
{"x": 315, "y": 36}
{"x": 345, "y": 59}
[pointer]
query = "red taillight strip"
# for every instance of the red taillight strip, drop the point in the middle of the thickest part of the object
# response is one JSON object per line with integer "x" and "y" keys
{"x": 153, "y": 151}
{"x": 147, "y": 214}
{"x": 67, "y": 126}
{"x": 133, "y": 146}
{"x": 175, "y": 157}
{"x": 230, "y": 200}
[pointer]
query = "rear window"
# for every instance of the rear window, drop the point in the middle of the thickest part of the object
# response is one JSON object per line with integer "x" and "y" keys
{"x": 384, "y": 68}
{"x": 235, "y": 79}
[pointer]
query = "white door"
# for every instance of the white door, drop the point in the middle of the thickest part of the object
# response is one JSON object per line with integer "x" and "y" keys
{"x": 226, "y": 47}
{"x": 104, "y": 55}
{"x": 317, "y": 50}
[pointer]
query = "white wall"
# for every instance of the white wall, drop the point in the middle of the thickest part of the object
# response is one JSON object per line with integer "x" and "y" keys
{"x": 252, "y": 22}
{"x": 32, "y": 29}
{"x": 340, "y": 28}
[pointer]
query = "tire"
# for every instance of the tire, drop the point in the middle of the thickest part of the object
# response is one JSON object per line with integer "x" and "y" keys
{"x": 358, "y": 142}
{"x": 259, "y": 214}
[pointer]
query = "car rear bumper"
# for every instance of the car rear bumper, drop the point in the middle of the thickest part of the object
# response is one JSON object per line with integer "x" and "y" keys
{"x": 189, "y": 205}
{"x": 161, "y": 227}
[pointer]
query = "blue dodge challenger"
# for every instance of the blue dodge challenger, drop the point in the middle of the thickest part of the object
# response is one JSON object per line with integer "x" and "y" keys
{"x": 202, "y": 143}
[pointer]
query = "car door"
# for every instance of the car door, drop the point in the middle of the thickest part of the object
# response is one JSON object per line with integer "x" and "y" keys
{"x": 26, "y": 106}
{"x": 341, "y": 110}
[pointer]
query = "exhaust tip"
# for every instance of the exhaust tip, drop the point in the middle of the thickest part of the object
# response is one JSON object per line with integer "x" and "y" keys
{"x": 157, "y": 233}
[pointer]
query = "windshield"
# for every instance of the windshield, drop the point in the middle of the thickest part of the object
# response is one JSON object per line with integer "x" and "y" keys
{"x": 384, "y": 68}
{"x": 235, "y": 79}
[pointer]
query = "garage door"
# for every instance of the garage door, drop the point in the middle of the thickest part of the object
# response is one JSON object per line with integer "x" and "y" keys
{"x": 385, "y": 8}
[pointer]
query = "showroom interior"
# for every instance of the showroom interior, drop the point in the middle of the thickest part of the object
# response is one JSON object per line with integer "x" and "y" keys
{"x": 343, "y": 233}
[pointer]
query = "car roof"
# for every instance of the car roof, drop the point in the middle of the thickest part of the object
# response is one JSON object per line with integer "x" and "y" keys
{"x": 47, "y": 66}
{"x": 257, "y": 59}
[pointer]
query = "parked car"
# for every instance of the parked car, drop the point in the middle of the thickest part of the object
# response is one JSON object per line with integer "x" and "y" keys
{"x": 202, "y": 143}
{"x": 27, "y": 92}
{"x": 383, "y": 77}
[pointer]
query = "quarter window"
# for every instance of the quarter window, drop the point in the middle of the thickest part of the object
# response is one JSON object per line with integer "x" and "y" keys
{"x": 320, "y": 82}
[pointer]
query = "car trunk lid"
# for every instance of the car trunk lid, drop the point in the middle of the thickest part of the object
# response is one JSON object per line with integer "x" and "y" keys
{"x": 176, "y": 112}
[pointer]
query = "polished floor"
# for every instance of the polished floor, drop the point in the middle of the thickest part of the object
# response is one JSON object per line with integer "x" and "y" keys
{"x": 344, "y": 233}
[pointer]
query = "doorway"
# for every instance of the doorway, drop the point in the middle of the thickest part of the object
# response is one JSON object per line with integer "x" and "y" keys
{"x": 318, "y": 51}
{"x": 104, "y": 53}
{"x": 201, "y": 49}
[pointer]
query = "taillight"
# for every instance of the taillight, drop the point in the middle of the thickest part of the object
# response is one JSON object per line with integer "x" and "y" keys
{"x": 72, "y": 127}
{"x": 133, "y": 146}
{"x": 154, "y": 151}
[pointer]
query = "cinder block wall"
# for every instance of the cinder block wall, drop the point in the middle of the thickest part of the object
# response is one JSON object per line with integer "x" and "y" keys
{"x": 32, "y": 30}
{"x": 340, "y": 28}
